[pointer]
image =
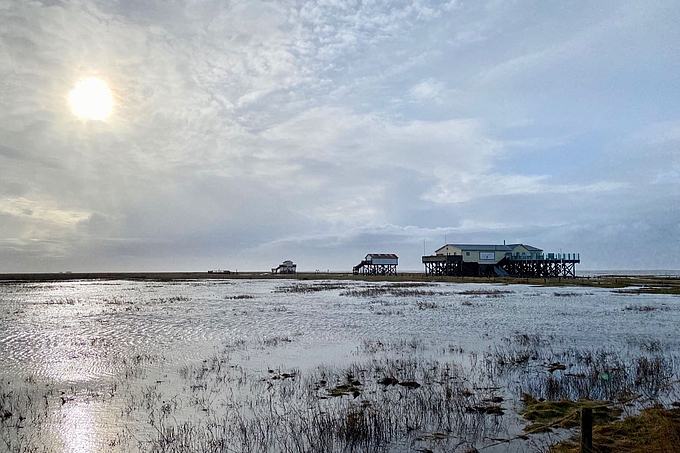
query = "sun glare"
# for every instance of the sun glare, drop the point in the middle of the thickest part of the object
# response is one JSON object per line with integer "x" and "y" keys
{"x": 91, "y": 99}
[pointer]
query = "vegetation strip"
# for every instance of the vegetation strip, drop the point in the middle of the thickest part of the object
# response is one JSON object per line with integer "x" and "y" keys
{"x": 638, "y": 284}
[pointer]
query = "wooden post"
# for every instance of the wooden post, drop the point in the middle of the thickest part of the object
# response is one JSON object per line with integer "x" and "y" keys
{"x": 586, "y": 430}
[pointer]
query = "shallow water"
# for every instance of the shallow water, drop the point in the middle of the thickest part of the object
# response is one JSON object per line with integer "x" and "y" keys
{"x": 86, "y": 336}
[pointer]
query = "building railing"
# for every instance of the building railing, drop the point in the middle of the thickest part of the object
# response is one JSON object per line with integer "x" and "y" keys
{"x": 544, "y": 257}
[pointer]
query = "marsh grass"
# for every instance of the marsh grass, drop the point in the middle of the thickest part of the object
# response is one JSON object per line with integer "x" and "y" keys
{"x": 275, "y": 340}
{"x": 653, "y": 289}
{"x": 408, "y": 285}
{"x": 418, "y": 402}
{"x": 645, "y": 308}
{"x": 62, "y": 301}
{"x": 372, "y": 347}
{"x": 573, "y": 374}
{"x": 310, "y": 287}
{"x": 22, "y": 407}
{"x": 395, "y": 396}
{"x": 368, "y": 406}
{"x": 391, "y": 290}
{"x": 388, "y": 312}
{"x": 647, "y": 345}
{"x": 493, "y": 292}
{"x": 172, "y": 299}
{"x": 118, "y": 301}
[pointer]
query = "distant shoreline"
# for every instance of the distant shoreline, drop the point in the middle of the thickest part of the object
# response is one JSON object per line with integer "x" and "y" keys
{"x": 641, "y": 283}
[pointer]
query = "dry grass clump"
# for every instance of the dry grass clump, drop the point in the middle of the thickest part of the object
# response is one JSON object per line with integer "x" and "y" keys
{"x": 654, "y": 430}
{"x": 546, "y": 415}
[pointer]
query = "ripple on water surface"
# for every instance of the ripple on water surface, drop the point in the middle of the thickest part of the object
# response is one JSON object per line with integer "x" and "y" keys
{"x": 79, "y": 331}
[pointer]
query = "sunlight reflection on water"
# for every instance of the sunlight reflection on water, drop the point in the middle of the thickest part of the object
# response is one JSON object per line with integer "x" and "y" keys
{"x": 76, "y": 427}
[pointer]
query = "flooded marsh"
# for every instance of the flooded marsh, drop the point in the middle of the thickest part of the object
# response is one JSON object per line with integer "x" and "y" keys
{"x": 323, "y": 366}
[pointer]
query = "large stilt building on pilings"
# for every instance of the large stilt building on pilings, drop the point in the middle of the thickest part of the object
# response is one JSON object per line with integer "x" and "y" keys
{"x": 377, "y": 264}
{"x": 511, "y": 260}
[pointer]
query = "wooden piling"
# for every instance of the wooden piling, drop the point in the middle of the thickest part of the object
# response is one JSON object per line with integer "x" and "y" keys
{"x": 586, "y": 430}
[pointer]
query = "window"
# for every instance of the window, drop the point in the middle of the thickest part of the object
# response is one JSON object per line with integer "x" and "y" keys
{"x": 467, "y": 253}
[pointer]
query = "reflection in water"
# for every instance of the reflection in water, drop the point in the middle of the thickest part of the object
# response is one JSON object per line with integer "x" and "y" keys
{"x": 75, "y": 425}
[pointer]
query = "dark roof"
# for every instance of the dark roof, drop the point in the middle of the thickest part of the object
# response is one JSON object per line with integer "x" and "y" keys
{"x": 382, "y": 255}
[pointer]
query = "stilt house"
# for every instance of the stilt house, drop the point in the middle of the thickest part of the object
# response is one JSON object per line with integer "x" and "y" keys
{"x": 287, "y": 267}
{"x": 516, "y": 260}
{"x": 377, "y": 264}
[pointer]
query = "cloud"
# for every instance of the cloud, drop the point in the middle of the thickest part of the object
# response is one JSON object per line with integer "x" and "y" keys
{"x": 429, "y": 90}
{"x": 332, "y": 125}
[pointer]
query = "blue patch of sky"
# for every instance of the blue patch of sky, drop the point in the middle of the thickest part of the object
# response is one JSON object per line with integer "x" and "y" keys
{"x": 561, "y": 158}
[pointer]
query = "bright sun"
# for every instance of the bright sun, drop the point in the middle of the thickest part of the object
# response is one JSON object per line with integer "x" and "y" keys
{"x": 91, "y": 99}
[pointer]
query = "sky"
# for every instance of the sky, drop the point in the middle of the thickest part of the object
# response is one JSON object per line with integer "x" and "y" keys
{"x": 244, "y": 133}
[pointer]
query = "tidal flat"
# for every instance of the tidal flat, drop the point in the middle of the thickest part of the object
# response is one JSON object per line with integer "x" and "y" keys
{"x": 263, "y": 365}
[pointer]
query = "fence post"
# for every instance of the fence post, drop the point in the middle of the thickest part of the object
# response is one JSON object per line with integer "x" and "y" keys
{"x": 586, "y": 430}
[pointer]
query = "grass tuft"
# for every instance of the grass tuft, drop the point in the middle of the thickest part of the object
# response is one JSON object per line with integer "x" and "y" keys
{"x": 654, "y": 430}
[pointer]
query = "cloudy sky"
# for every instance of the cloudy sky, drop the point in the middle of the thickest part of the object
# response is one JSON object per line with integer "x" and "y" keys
{"x": 244, "y": 133}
